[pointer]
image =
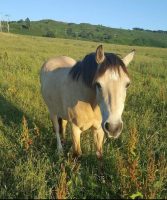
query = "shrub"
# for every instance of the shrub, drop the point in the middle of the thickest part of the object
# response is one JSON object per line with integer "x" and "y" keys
{"x": 50, "y": 34}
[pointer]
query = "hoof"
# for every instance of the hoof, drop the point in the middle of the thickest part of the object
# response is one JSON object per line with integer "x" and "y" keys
{"x": 99, "y": 155}
{"x": 77, "y": 155}
{"x": 63, "y": 142}
{"x": 60, "y": 151}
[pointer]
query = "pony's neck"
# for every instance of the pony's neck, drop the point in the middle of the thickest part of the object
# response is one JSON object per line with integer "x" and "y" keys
{"x": 91, "y": 96}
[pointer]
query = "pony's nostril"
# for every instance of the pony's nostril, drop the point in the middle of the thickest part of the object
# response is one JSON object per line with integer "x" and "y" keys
{"x": 107, "y": 126}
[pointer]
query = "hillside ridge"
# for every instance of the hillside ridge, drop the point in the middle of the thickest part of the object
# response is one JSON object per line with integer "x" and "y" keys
{"x": 89, "y": 32}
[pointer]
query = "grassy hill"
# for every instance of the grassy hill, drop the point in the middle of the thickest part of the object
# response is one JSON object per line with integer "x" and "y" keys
{"x": 134, "y": 166}
{"x": 85, "y": 31}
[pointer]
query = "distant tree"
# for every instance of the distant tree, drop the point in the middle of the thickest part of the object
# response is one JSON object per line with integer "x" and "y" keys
{"x": 70, "y": 24}
{"x": 20, "y": 21}
{"x": 1, "y": 22}
{"x": 107, "y": 36}
{"x": 90, "y": 35}
{"x": 69, "y": 31}
{"x": 24, "y": 26}
{"x": 148, "y": 30}
{"x": 27, "y": 23}
{"x": 50, "y": 33}
{"x": 97, "y": 29}
{"x": 83, "y": 34}
{"x": 7, "y": 22}
{"x": 0, "y": 26}
{"x": 138, "y": 29}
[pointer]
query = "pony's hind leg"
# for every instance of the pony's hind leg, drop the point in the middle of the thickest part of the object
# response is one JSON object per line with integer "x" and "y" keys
{"x": 62, "y": 129}
{"x": 56, "y": 128}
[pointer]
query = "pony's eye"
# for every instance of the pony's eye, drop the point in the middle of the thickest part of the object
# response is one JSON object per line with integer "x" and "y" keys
{"x": 98, "y": 86}
{"x": 127, "y": 85}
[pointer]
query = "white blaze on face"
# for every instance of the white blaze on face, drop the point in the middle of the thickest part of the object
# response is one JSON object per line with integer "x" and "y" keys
{"x": 116, "y": 102}
{"x": 114, "y": 76}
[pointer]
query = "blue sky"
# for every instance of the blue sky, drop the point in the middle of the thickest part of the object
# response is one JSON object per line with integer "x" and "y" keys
{"x": 147, "y": 14}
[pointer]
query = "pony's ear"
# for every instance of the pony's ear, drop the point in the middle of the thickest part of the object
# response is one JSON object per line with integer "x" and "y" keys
{"x": 128, "y": 58}
{"x": 100, "y": 54}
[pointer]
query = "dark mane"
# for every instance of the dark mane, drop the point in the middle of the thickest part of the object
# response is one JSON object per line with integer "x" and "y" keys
{"x": 87, "y": 68}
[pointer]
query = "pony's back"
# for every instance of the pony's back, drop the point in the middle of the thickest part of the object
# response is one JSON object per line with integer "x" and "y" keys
{"x": 58, "y": 62}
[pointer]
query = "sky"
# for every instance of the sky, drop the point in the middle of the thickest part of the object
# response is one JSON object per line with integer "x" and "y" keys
{"x": 127, "y": 14}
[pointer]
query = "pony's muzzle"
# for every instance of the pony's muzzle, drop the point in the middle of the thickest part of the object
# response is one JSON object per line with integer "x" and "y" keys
{"x": 113, "y": 130}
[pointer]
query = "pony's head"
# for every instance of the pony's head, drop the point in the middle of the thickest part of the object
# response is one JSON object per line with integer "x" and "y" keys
{"x": 107, "y": 74}
{"x": 111, "y": 81}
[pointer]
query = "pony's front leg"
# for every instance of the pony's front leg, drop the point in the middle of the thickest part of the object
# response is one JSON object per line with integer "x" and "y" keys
{"x": 98, "y": 140}
{"x": 76, "y": 133}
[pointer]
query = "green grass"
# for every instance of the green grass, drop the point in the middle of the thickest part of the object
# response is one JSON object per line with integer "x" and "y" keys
{"x": 134, "y": 166}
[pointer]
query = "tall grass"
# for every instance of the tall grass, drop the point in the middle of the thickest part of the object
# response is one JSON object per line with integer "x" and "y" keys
{"x": 133, "y": 166}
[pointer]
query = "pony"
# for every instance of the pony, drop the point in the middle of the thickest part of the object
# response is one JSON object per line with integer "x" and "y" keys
{"x": 89, "y": 94}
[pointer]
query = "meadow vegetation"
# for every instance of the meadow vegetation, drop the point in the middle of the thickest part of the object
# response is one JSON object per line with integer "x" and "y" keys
{"x": 133, "y": 166}
{"x": 89, "y": 32}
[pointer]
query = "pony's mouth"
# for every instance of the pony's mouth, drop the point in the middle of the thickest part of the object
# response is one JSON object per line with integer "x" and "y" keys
{"x": 111, "y": 135}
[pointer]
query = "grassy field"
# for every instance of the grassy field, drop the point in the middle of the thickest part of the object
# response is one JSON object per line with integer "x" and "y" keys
{"x": 134, "y": 166}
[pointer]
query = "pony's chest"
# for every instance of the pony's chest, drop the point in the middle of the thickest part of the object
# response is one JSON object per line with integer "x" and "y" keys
{"x": 83, "y": 116}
